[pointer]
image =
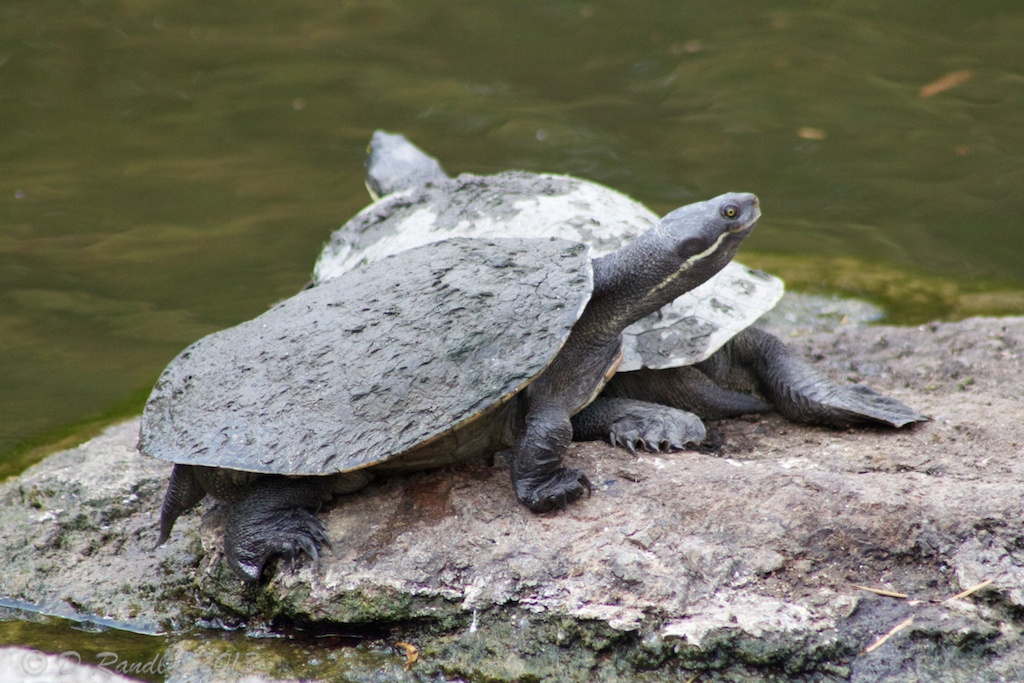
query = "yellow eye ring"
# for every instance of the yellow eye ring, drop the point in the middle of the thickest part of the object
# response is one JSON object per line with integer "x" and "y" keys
{"x": 730, "y": 211}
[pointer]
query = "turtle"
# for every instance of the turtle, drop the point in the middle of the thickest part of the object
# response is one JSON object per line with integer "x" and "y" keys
{"x": 701, "y": 352}
{"x": 440, "y": 353}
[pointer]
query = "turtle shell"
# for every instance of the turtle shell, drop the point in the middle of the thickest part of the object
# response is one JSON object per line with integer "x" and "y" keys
{"x": 522, "y": 204}
{"x": 373, "y": 364}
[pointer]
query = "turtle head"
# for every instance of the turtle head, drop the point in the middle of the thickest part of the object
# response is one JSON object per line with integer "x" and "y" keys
{"x": 394, "y": 164}
{"x": 704, "y": 237}
{"x": 685, "y": 248}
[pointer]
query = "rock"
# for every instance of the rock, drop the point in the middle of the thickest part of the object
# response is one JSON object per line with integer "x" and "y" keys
{"x": 746, "y": 562}
{"x": 76, "y": 538}
{"x": 798, "y": 313}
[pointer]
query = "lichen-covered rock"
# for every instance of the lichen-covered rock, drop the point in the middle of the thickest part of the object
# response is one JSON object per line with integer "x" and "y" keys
{"x": 76, "y": 537}
{"x": 746, "y": 563}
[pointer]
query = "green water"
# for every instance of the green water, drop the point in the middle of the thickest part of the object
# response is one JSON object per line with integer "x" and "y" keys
{"x": 168, "y": 169}
{"x": 80, "y": 644}
{"x": 196, "y": 655}
{"x": 171, "y": 168}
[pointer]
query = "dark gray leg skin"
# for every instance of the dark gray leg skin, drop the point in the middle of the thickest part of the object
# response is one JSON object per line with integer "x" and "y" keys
{"x": 804, "y": 395}
{"x": 275, "y": 518}
{"x": 757, "y": 362}
{"x": 688, "y": 389}
{"x": 540, "y": 481}
{"x": 636, "y": 424}
{"x": 183, "y": 492}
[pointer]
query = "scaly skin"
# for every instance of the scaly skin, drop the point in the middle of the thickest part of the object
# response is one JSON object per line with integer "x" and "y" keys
{"x": 689, "y": 245}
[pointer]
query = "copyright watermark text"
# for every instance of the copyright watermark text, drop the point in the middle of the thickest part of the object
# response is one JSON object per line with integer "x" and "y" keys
{"x": 107, "y": 666}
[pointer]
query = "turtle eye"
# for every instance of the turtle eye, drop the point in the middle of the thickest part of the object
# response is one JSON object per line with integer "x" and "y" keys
{"x": 730, "y": 211}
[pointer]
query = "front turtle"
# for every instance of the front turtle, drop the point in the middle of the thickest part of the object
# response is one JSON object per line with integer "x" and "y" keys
{"x": 699, "y": 353}
{"x": 435, "y": 355}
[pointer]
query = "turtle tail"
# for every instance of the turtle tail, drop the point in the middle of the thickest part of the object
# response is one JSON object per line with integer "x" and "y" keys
{"x": 183, "y": 492}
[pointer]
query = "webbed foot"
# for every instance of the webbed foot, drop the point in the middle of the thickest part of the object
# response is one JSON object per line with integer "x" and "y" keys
{"x": 251, "y": 542}
{"x": 635, "y": 424}
{"x": 555, "y": 490}
{"x": 273, "y": 521}
{"x": 852, "y": 404}
{"x": 667, "y": 429}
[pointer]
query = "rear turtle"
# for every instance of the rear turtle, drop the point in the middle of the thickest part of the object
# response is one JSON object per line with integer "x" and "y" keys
{"x": 700, "y": 352}
{"x": 435, "y": 355}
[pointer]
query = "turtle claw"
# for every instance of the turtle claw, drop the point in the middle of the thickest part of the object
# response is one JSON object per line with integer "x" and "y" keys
{"x": 665, "y": 445}
{"x": 309, "y": 541}
{"x": 659, "y": 429}
{"x": 563, "y": 486}
{"x": 617, "y": 439}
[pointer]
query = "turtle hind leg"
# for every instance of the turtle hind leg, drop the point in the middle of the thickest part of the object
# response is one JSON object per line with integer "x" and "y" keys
{"x": 802, "y": 394}
{"x": 688, "y": 389}
{"x": 277, "y": 517}
{"x": 633, "y": 424}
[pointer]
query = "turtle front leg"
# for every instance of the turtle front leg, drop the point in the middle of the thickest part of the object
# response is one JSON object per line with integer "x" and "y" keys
{"x": 539, "y": 480}
{"x": 277, "y": 517}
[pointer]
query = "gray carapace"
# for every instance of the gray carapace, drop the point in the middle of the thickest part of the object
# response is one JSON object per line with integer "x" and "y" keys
{"x": 418, "y": 204}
